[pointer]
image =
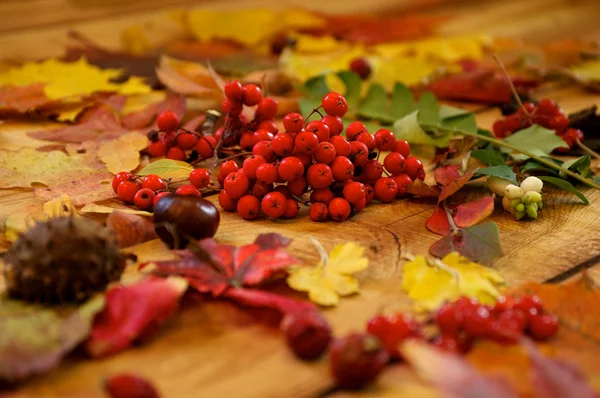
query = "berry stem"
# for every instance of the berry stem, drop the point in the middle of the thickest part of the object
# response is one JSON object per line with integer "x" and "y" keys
{"x": 300, "y": 200}
{"x": 316, "y": 110}
{"x": 453, "y": 226}
{"x": 512, "y": 86}
{"x": 587, "y": 149}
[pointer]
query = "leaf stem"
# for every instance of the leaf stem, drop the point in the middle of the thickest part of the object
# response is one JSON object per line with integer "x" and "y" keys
{"x": 588, "y": 150}
{"x": 512, "y": 86}
{"x": 453, "y": 226}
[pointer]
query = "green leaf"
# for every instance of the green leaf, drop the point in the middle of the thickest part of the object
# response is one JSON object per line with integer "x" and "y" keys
{"x": 167, "y": 168}
{"x": 534, "y": 166}
{"x": 429, "y": 112}
{"x": 535, "y": 139}
{"x": 465, "y": 122}
{"x": 375, "y": 104}
{"x": 403, "y": 102}
{"x": 409, "y": 129}
{"x": 306, "y": 107}
{"x": 500, "y": 171}
{"x": 353, "y": 85}
{"x": 566, "y": 185}
{"x": 316, "y": 88}
{"x": 479, "y": 243}
{"x": 580, "y": 165}
{"x": 447, "y": 112}
{"x": 491, "y": 158}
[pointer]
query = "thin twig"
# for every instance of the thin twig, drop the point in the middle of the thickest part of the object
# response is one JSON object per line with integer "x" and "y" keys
{"x": 588, "y": 150}
{"x": 453, "y": 226}
{"x": 512, "y": 86}
{"x": 440, "y": 264}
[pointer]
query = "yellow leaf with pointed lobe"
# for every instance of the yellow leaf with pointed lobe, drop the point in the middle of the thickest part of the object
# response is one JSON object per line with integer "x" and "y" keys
{"x": 19, "y": 222}
{"x": 122, "y": 154}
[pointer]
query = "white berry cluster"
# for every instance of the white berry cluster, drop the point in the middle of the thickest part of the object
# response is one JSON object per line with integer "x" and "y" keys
{"x": 522, "y": 200}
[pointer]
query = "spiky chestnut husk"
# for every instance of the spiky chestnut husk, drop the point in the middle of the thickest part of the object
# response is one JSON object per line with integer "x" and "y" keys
{"x": 64, "y": 259}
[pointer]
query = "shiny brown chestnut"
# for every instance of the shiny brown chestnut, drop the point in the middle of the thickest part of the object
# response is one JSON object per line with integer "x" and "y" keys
{"x": 179, "y": 218}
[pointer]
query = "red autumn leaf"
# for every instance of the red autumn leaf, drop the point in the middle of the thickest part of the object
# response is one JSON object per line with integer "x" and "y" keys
{"x": 193, "y": 123}
{"x": 479, "y": 243}
{"x": 144, "y": 117}
{"x": 454, "y": 186}
{"x": 92, "y": 188}
{"x": 133, "y": 313}
{"x": 214, "y": 267}
{"x": 130, "y": 229}
{"x": 20, "y": 99}
{"x": 438, "y": 222}
{"x": 263, "y": 299}
{"x": 419, "y": 188}
{"x": 471, "y": 213}
{"x": 447, "y": 174}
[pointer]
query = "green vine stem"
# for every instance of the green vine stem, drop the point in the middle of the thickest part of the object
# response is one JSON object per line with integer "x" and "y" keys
{"x": 500, "y": 143}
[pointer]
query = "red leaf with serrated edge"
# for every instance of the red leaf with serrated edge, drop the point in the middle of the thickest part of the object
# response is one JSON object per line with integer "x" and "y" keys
{"x": 454, "y": 186}
{"x": 447, "y": 174}
{"x": 438, "y": 222}
{"x": 133, "y": 314}
{"x": 471, "y": 213}
{"x": 260, "y": 298}
{"x": 419, "y": 188}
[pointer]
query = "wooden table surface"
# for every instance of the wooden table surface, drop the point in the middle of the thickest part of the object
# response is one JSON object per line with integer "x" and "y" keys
{"x": 217, "y": 349}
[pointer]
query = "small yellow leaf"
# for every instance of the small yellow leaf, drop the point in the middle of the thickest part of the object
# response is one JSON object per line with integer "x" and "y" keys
{"x": 326, "y": 282}
{"x": 431, "y": 285}
{"x": 96, "y": 208}
{"x": 58, "y": 207}
{"x": 122, "y": 154}
{"x": 19, "y": 222}
{"x": 167, "y": 168}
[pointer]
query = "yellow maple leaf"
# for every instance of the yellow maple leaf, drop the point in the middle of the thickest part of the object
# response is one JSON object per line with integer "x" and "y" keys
{"x": 122, "y": 154}
{"x": 333, "y": 276}
{"x": 431, "y": 284}
{"x": 69, "y": 79}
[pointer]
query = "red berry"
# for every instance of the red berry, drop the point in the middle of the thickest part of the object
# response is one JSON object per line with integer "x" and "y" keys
{"x": 158, "y": 197}
{"x": 236, "y": 184}
{"x": 341, "y": 145}
{"x": 307, "y": 333}
{"x": 361, "y": 204}
{"x": 412, "y": 165}
{"x": 476, "y": 321}
{"x": 154, "y": 183}
{"x": 335, "y": 104}
{"x": 318, "y": 211}
{"x": 230, "y": 166}
{"x": 267, "y": 109}
{"x": 252, "y": 94}
{"x": 575, "y": 135}
{"x": 262, "y": 135}
{"x": 385, "y": 189}
{"x": 372, "y": 170}
{"x": 342, "y": 168}
{"x": 321, "y": 196}
{"x": 359, "y": 154}
{"x": 266, "y": 173}
{"x": 248, "y": 207}
{"x": 356, "y": 360}
{"x": 251, "y": 165}
{"x": 339, "y": 209}
{"x": 291, "y": 209}
{"x": 125, "y": 385}
{"x": 167, "y": 121}
{"x": 403, "y": 181}
{"x": 285, "y": 190}
{"x": 119, "y": 178}
{"x": 354, "y": 129}
{"x": 320, "y": 129}
{"x": 169, "y": 138}
{"x": 385, "y": 140}
{"x": 205, "y": 148}
{"x": 319, "y": 176}
{"x": 293, "y": 122}
{"x": 283, "y": 144}
{"x": 543, "y": 326}
{"x": 186, "y": 141}
{"x": 559, "y": 123}
{"x": 529, "y": 107}
{"x": 449, "y": 319}
{"x": 200, "y": 178}
{"x": 325, "y": 153}
{"x": 234, "y": 91}
{"x": 361, "y": 67}
{"x": 188, "y": 190}
{"x": 264, "y": 149}
{"x": 306, "y": 142}
{"x": 368, "y": 139}
{"x": 226, "y": 202}
{"x": 306, "y": 159}
{"x": 268, "y": 125}
{"x": 393, "y": 329}
{"x": 335, "y": 124}
{"x": 370, "y": 193}
{"x": 290, "y": 168}
{"x": 217, "y": 135}
{"x": 449, "y": 343}
{"x": 273, "y": 204}
{"x": 298, "y": 186}
{"x": 144, "y": 199}
{"x": 546, "y": 107}
{"x": 127, "y": 189}
{"x": 231, "y": 108}
{"x": 157, "y": 149}
{"x": 354, "y": 192}
{"x": 175, "y": 153}
{"x": 402, "y": 147}
{"x": 394, "y": 163}
{"x": 529, "y": 302}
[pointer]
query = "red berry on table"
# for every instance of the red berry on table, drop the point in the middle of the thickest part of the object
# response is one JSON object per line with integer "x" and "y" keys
{"x": 298, "y": 186}
{"x": 325, "y": 153}
{"x": 402, "y": 147}
{"x": 186, "y": 141}
{"x": 394, "y": 163}
{"x": 318, "y": 211}
{"x": 167, "y": 121}
{"x": 529, "y": 107}
{"x": 449, "y": 343}
{"x": 386, "y": 189}
{"x": 359, "y": 154}
{"x": 154, "y": 183}
{"x": 306, "y": 142}
{"x": 293, "y": 123}
{"x": 385, "y": 140}
{"x": 229, "y": 166}
{"x": 267, "y": 109}
{"x": 321, "y": 196}
{"x": 252, "y": 94}
{"x": 290, "y": 168}
{"x": 260, "y": 189}
{"x": 559, "y": 123}
{"x": 476, "y": 321}
{"x": 268, "y": 125}
{"x": 144, "y": 199}
{"x": 361, "y": 204}
{"x": 231, "y": 108}
{"x": 307, "y": 333}
{"x": 449, "y": 319}
{"x": 187, "y": 190}
{"x": 283, "y": 144}
{"x": 356, "y": 360}
{"x": 372, "y": 170}
{"x": 226, "y": 202}
{"x": 234, "y": 91}
{"x": 248, "y": 207}
{"x": 204, "y": 148}
{"x": 273, "y": 204}
{"x": 370, "y": 193}
{"x": 529, "y": 302}
{"x": 335, "y": 124}
{"x": 574, "y": 134}
{"x": 319, "y": 176}
{"x": 547, "y": 107}
{"x": 119, "y": 178}
{"x": 200, "y": 178}
{"x": 169, "y": 138}
{"x": 262, "y": 135}
{"x": 175, "y": 153}
{"x": 158, "y": 197}
{"x": 368, "y": 139}
{"x": 392, "y": 329}
{"x": 306, "y": 159}
{"x": 354, "y": 192}
{"x": 251, "y": 165}
{"x": 341, "y": 145}
{"x": 335, "y": 104}
{"x": 291, "y": 209}
{"x": 412, "y": 165}
{"x": 127, "y": 189}
{"x": 126, "y": 385}
{"x": 361, "y": 67}
{"x": 354, "y": 129}
{"x": 157, "y": 149}
{"x": 403, "y": 181}
{"x": 543, "y": 326}
{"x": 266, "y": 173}
{"x": 320, "y": 129}
{"x": 339, "y": 209}
{"x": 236, "y": 184}
{"x": 342, "y": 168}
{"x": 264, "y": 149}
